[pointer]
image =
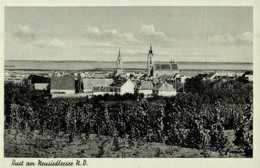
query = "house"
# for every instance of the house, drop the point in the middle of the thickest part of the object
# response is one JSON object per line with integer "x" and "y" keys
{"x": 90, "y": 83}
{"x": 123, "y": 87}
{"x": 144, "y": 77}
{"x": 41, "y": 86}
{"x": 146, "y": 88}
{"x": 7, "y": 74}
{"x": 248, "y": 75}
{"x": 138, "y": 76}
{"x": 210, "y": 76}
{"x": 118, "y": 71}
{"x": 102, "y": 90}
{"x": 223, "y": 78}
{"x": 62, "y": 85}
{"x": 183, "y": 75}
{"x": 189, "y": 73}
{"x": 165, "y": 89}
{"x": 227, "y": 73}
{"x": 39, "y": 82}
{"x": 164, "y": 77}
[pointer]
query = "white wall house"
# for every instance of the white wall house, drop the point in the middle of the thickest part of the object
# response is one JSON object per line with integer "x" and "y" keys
{"x": 146, "y": 88}
{"x": 89, "y": 83}
{"x": 249, "y": 77}
{"x": 102, "y": 90}
{"x": 211, "y": 76}
{"x": 41, "y": 86}
{"x": 123, "y": 87}
{"x": 127, "y": 87}
{"x": 165, "y": 89}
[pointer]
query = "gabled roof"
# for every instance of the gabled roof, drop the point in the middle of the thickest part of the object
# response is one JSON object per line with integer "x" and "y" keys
{"x": 164, "y": 77}
{"x": 89, "y": 83}
{"x": 248, "y": 73}
{"x": 146, "y": 85}
{"x": 143, "y": 76}
{"x": 211, "y": 74}
{"x": 164, "y": 87}
{"x": 38, "y": 79}
{"x": 7, "y": 74}
{"x": 189, "y": 73}
{"x": 63, "y": 83}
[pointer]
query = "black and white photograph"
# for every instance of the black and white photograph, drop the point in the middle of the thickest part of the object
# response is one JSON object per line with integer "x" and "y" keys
{"x": 128, "y": 82}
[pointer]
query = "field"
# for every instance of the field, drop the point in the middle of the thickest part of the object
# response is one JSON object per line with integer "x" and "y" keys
{"x": 19, "y": 145}
{"x": 212, "y": 119}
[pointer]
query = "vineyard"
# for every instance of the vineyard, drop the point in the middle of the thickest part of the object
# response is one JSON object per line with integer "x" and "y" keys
{"x": 212, "y": 119}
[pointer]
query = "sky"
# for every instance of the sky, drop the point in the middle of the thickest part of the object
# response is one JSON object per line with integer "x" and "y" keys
{"x": 210, "y": 34}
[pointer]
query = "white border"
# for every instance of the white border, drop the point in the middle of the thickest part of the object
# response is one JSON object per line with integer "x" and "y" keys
{"x": 143, "y": 163}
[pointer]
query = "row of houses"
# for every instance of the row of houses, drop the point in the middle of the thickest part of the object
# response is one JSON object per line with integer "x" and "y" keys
{"x": 162, "y": 85}
{"x": 228, "y": 76}
{"x": 60, "y": 86}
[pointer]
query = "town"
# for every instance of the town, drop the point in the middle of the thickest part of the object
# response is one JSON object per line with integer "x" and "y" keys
{"x": 128, "y": 82}
{"x": 162, "y": 79}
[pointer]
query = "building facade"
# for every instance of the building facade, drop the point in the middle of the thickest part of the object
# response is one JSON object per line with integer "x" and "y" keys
{"x": 165, "y": 89}
{"x": 146, "y": 88}
{"x": 160, "y": 69}
{"x": 123, "y": 87}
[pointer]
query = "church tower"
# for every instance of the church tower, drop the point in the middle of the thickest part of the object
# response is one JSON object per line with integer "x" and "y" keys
{"x": 119, "y": 65}
{"x": 119, "y": 61}
{"x": 150, "y": 62}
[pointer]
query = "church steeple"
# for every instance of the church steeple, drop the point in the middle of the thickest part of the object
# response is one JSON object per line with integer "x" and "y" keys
{"x": 119, "y": 61}
{"x": 151, "y": 49}
{"x": 150, "y": 61}
{"x": 119, "y": 54}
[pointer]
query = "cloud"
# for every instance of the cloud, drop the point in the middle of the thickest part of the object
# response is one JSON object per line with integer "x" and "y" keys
{"x": 26, "y": 29}
{"x": 246, "y": 37}
{"x": 92, "y": 31}
{"x": 110, "y": 32}
{"x": 128, "y": 37}
{"x": 149, "y": 33}
{"x": 149, "y": 30}
{"x": 96, "y": 44}
{"x": 25, "y": 32}
{"x": 54, "y": 43}
{"x": 57, "y": 43}
{"x": 227, "y": 38}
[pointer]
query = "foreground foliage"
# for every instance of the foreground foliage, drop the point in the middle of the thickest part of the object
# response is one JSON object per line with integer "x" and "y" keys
{"x": 196, "y": 119}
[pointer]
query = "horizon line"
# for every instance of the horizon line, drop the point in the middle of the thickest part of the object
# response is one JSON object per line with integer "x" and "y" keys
{"x": 127, "y": 61}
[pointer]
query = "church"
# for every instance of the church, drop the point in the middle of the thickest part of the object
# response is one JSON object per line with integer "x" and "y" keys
{"x": 119, "y": 64}
{"x": 158, "y": 69}
{"x": 154, "y": 70}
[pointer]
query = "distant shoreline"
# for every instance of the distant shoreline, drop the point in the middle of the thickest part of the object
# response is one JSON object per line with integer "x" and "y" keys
{"x": 61, "y": 61}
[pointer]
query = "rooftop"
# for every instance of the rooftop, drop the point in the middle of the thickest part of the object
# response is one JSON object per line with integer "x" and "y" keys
{"x": 165, "y": 66}
{"x": 63, "y": 83}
